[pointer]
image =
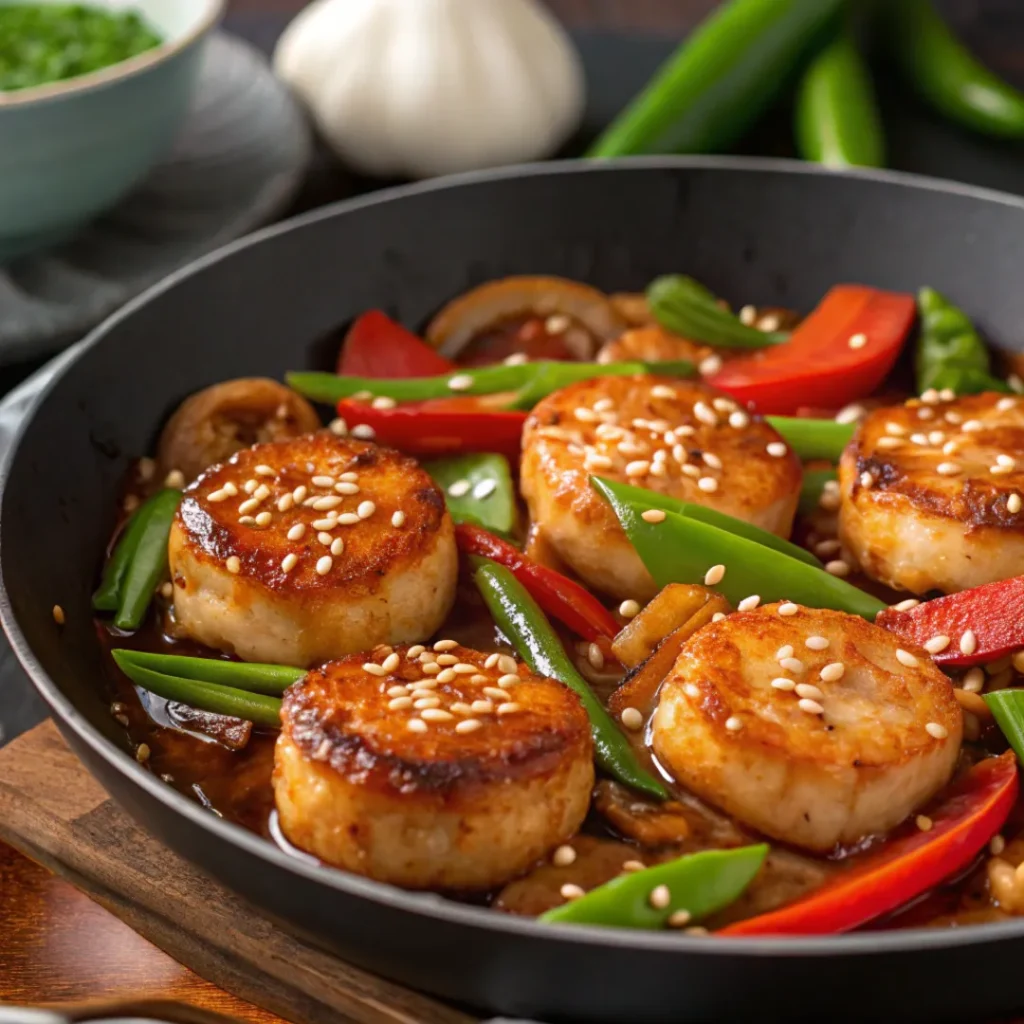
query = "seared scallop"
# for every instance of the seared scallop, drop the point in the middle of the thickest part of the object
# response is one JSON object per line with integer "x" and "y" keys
{"x": 438, "y": 767}
{"x": 814, "y": 727}
{"x": 932, "y": 492}
{"x": 304, "y": 550}
{"x": 652, "y": 344}
{"x": 676, "y": 437}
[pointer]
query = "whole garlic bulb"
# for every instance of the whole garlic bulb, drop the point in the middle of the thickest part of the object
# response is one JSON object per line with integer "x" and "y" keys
{"x": 414, "y": 88}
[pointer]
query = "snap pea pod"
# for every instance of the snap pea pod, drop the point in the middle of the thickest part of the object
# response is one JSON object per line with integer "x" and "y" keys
{"x": 653, "y": 499}
{"x": 950, "y": 354}
{"x": 478, "y": 489}
{"x": 108, "y": 594}
{"x": 814, "y": 439}
{"x": 257, "y": 708}
{"x": 685, "y": 307}
{"x": 1007, "y": 707}
{"x": 243, "y": 675}
{"x": 677, "y": 549}
{"x": 719, "y": 80}
{"x": 812, "y": 487}
{"x": 837, "y": 121}
{"x": 330, "y": 388}
{"x": 521, "y": 620}
{"x": 945, "y": 74}
{"x": 699, "y": 884}
{"x": 148, "y": 561}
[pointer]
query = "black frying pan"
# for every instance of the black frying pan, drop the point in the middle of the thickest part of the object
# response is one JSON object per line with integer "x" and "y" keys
{"x": 758, "y": 231}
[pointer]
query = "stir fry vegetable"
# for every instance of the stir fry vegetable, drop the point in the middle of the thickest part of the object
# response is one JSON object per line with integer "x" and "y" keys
{"x": 523, "y": 378}
{"x": 719, "y": 80}
{"x": 840, "y": 353}
{"x": 837, "y": 120}
{"x": 1007, "y": 707}
{"x": 437, "y": 428}
{"x": 687, "y": 308}
{"x": 812, "y": 488}
{"x": 522, "y": 621}
{"x": 969, "y": 628}
{"x": 243, "y": 675}
{"x": 377, "y": 346}
{"x": 676, "y": 893}
{"x": 677, "y": 549}
{"x": 814, "y": 439}
{"x": 969, "y": 816}
{"x": 147, "y": 563}
{"x": 221, "y": 700}
{"x": 950, "y": 354}
{"x": 107, "y": 597}
{"x": 561, "y": 598}
{"x": 478, "y": 490}
{"x": 944, "y": 73}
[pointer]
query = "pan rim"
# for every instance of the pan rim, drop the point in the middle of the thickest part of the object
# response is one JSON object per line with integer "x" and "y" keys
{"x": 430, "y": 905}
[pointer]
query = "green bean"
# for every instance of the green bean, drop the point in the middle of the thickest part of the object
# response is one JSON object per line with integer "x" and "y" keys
{"x": 483, "y": 491}
{"x": 108, "y": 594}
{"x": 243, "y": 675}
{"x": 1007, "y": 707}
{"x": 149, "y": 560}
{"x": 814, "y": 439}
{"x": 678, "y": 549}
{"x": 521, "y": 620}
{"x": 704, "y": 514}
{"x": 220, "y": 700}
{"x": 812, "y": 488}
{"x": 696, "y": 885}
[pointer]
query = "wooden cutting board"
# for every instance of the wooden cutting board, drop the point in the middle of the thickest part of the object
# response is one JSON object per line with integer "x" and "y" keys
{"x": 56, "y": 813}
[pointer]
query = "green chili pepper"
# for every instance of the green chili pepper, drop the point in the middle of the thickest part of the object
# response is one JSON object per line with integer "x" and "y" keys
{"x": 1007, "y": 707}
{"x": 478, "y": 489}
{"x": 683, "y": 306}
{"x": 812, "y": 487}
{"x": 108, "y": 594}
{"x": 720, "y": 79}
{"x": 837, "y": 121}
{"x": 522, "y": 378}
{"x": 699, "y": 884}
{"x": 221, "y": 700}
{"x": 945, "y": 74}
{"x": 653, "y": 499}
{"x": 243, "y": 675}
{"x": 678, "y": 549}
{"x": 950, "y": 354}
{"x": 814, "y": 439}
{"x": 149, "y": 560}
{"x": 521, "y": 620}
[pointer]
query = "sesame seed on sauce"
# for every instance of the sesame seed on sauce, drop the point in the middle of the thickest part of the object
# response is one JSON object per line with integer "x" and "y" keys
{"x": 653, "y": 515}
{"x": 233, "y": 565}
{"x": 445, "y": 645}
{"x": 714, "y": 575}
{"x": 937, "y": 644}
{"x": 733, "y": 723}
{"x": 481, "y": 707}
{"x": 563, "y": 856}
{"x": 58, "y": 615}
{"x": 632, "y": 718}
{"x": 936, "y": 731}
{"x": 889, "y": 442}
{"x": 289, "y": 562}
{"x": 416, "y": 725}
{"x": 630, "y": 608}
{"x": 509, "y": 708}
{"x": 906, "y": 658}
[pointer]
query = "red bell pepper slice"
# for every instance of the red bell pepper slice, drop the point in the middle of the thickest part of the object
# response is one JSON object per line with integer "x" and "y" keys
{"x": 993, "y": 612}
{"x": 558, "y": 596}
{"x": 818, "y": 362}
{"x": 441, "y": 427}
{"x": 970, "y": 815}
{"x": 377, "y": 346}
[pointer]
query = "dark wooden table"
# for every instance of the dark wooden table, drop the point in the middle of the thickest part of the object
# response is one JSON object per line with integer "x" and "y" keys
{"x": 59, "y": 946}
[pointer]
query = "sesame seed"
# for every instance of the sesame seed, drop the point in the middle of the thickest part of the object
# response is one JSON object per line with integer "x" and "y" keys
{"x": 905, "y": 658}
{"x": 705, "y": 414}
{"x": 289, "y": 562}
{"x": 432, "y": 668}
{"x": 496, "y": 693}
{"x": 175, "y": 479}
{"x": 563, "y": 856}
{"x": 919, "y": 439}
{"x": 812, "y": 707}
{"x": 691, "y": 471}
{"x": 463, "y": 668}
{"x": 167, "y": 590}
{"x": 708, "y": 484}
{"x": 324, "y": 565}
{"x": 858, "y": 341}
{"x": 508, "y": 679}
{"x": 905, "y": 606}
{"x": 436, "y": 715}
{"x": 323, "y": 481}
{"x": 261, "y": 493}
{"x": 782, "y": 683}
{"x": 810, "y": 691}
{"x": 1013, "y": 503}
{"x": 445, "y": 645}
{"x": 426, "y": 701}
{"x": 679, "y": 919}
{"x": 348, "y": 519}
{"x": 947, "y": 468}
{"x": 792, "y": 664}
{"x": 631, "y": 718}
{"x": 250, "y": 485}
{"x": 233, "y": 565}
{"x": 838, "y": 568}
{"x": 776, "y": 449}
{"x": 889, "y": 442}
{"x": 586, "y": 415}
{"x": 447, "y": 659}
{"x": 662, "y": 391}
{"x": 653, "y": 515}
{"x": 660, "y": 897}
{"x": 398, "y": 690}
{"x": 709, "y": 365}
{"x": 934, "y": 729}
{"x": 509, "y": 708}
{"x": 217, "y": 496}
{"x": 923, "y": 822}
{"x": 788, "y": 608}
{"x": 833, "y": 672}
{"x": 468, "y": 725}
{"x": 249, "y": 505}
{"x": 630, "y": 866}
{"x": 785, "y": 651}
{"x": 337, "y": 546}
{"x": 629, "y": 608}
{"x": 481, "y": 707}
{"x": 416, "y": 725}
{"x": 714, "y": 575}
{"x": 390, "y": 663}
{"x": 400, "y": 703}
{"x": 58, "y": 615}
{"x": 637, "y": 468}
{"x": 712, "y": 460}
{"x": 747, "y": 316}
{"x": 974, "y": 680}
{"x": 595, "y": 656}
{"x": 996, "y": 845}
{"x": 364, "y": 432}
{"x": 366, "y": 509}
{"x": 850, "y": 413}
{"x": 733, "y": 724}
{"x": 968, "y": 643}
{"x": 1004, "y": 404}
{"x": 816, "y": 643}
{"x": 142, "y": 753}
{"x": 936, "y": 644}
{"x": 263, "y": 519}
{"x": 827, "y": 547}
{"x": 748, "y": 604}
{"x": 866, "y": 479}
{"x": 570, "y": 892}
{"x": 327, "y": 502}
{"x": 950, "y": 448}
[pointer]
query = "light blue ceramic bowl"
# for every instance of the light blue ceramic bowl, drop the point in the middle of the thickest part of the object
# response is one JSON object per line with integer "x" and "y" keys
{"x": 70, "y": 150}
